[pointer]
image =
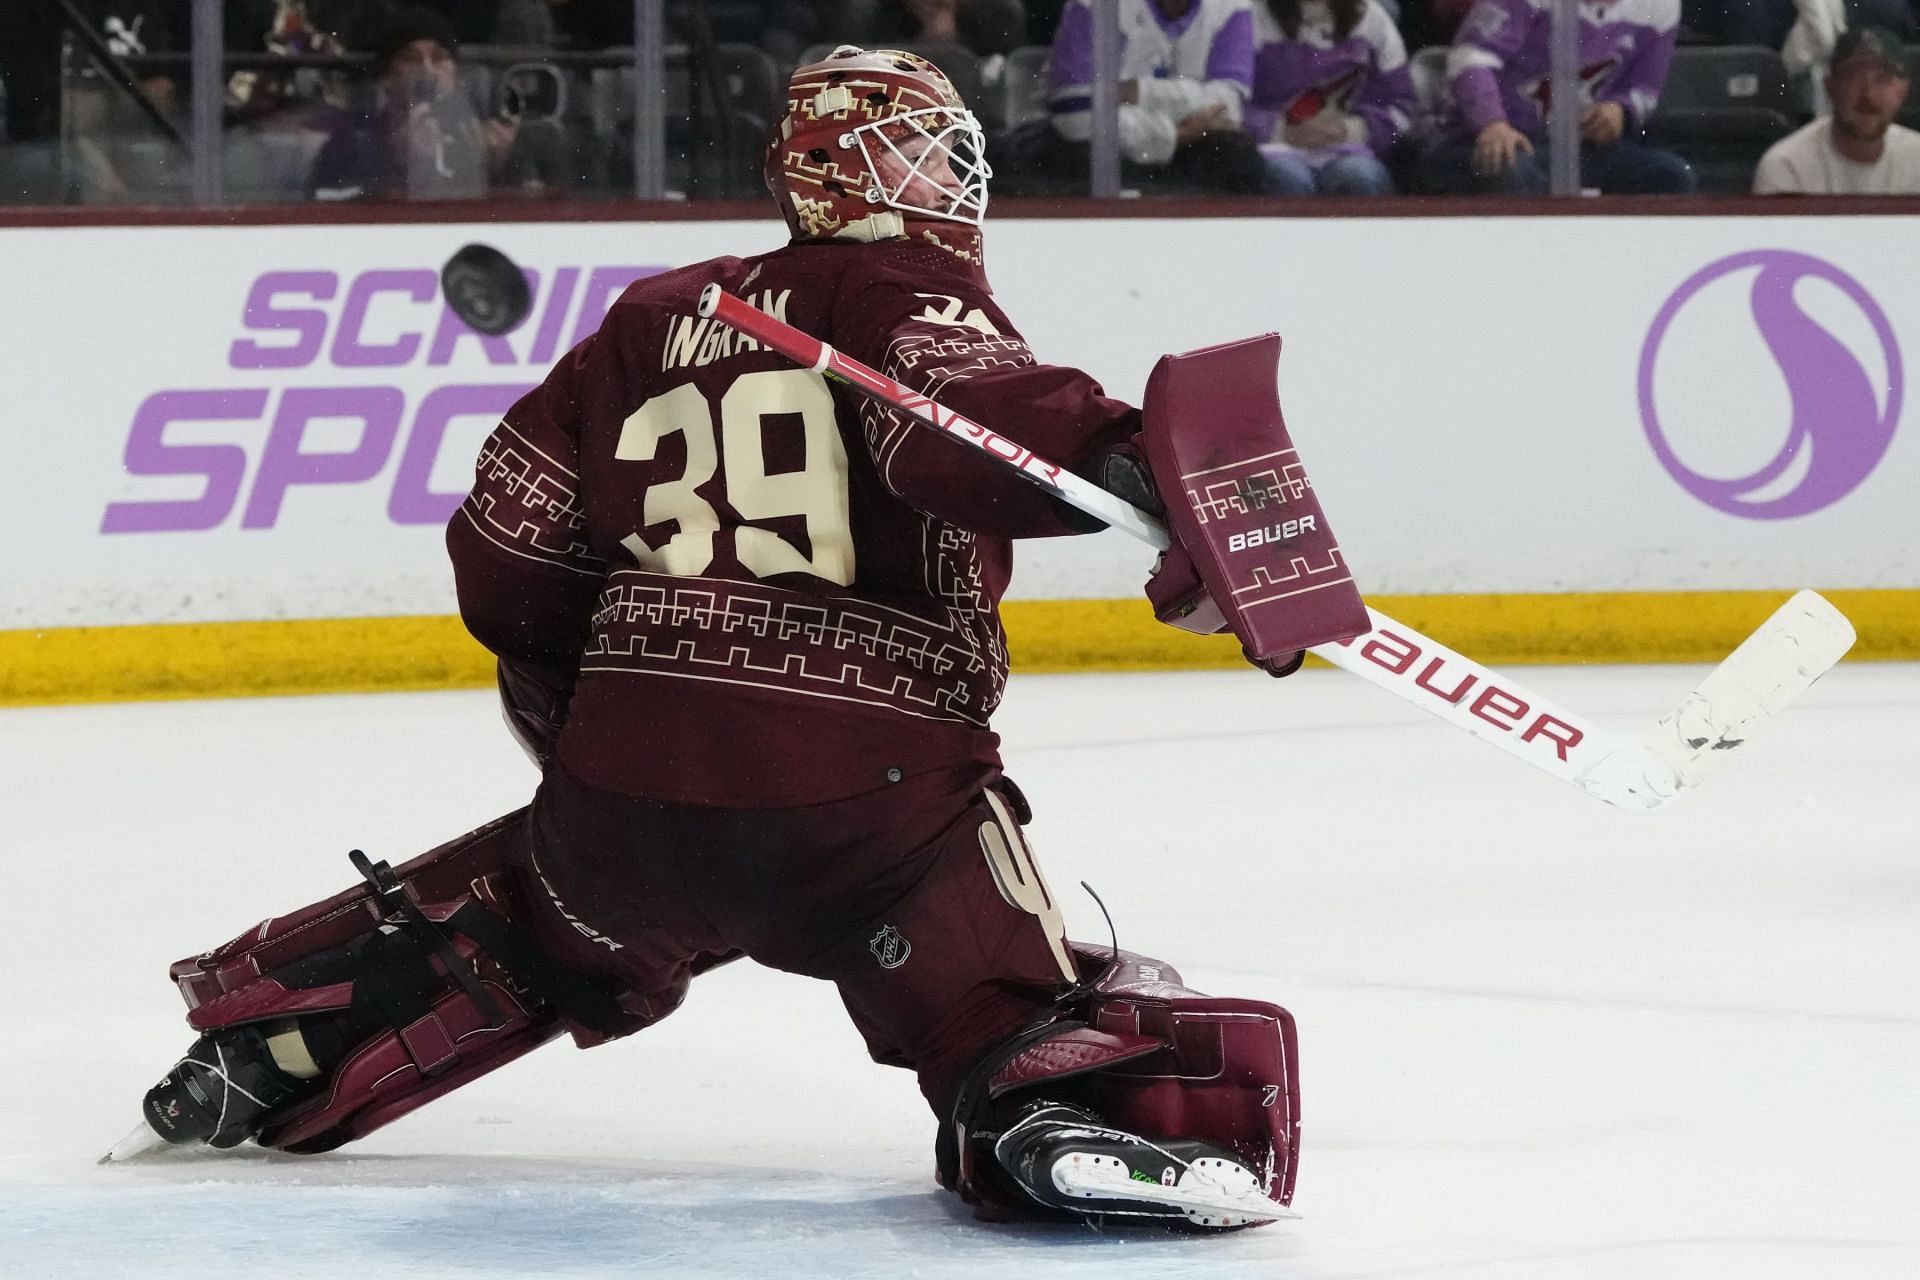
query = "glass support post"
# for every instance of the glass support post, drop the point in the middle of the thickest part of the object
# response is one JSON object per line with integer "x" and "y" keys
{"x": 1563, "y": 120}
{"x": 650, "y": 97}
{"x": 209, "y": 97}
{"x": 1103, "y": 170}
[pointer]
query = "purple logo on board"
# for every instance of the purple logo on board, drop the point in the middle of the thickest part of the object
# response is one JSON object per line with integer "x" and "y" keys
{"x": 1840, "y": 426}
{"x": 297, "y": 331}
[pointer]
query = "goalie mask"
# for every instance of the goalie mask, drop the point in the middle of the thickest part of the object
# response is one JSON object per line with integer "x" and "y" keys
{"x": 877, "y": 144}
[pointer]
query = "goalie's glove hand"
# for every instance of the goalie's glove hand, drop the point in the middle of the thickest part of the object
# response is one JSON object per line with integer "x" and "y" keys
{"x": 1122, "y": 471}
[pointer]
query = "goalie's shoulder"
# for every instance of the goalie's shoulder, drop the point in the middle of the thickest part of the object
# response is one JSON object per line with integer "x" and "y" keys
{"x": 895, "y": 292}
{"x": 904, "y": 266}
{"x": 635, "y": 312}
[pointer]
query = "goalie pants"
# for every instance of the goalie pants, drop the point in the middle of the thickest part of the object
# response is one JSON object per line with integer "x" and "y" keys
{"x": 920, "y": 902}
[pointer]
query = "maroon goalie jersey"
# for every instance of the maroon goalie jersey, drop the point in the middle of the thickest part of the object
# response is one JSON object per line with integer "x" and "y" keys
{"x": 773, "y": 591}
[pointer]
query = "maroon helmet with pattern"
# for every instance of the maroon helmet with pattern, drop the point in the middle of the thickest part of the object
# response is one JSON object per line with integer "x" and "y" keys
{"x": 876, "y": 144}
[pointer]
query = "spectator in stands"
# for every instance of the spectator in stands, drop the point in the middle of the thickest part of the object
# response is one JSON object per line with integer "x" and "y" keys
{"x": 136, "y": 29}
{"x": 986, "y": 27}
{"x": 299, "y": 27}
{"x": 1331, "y": 94}
{"x": 471, "y": 20}
{"x": 1808, "y": 50}
{"x": 302, "y": 97}
{"x": 87, "y": 108}
{"x": 524, "y": 24}
{"x": 784, "y": 28}
{"x": 1857, "y": 150}
{"x": 1186, "y": 68}
{"x": 1498, "y": 71}
{"x": 419, "y": 137}
{"x": 1043, "y": 19}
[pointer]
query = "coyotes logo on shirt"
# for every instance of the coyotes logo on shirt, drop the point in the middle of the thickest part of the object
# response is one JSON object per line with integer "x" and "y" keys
{"x": 1594, "y": 77}
{"x": 1336, "y": 94}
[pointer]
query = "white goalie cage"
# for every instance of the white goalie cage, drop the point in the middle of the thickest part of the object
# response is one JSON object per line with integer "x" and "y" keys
{"x": 953, "y": 142}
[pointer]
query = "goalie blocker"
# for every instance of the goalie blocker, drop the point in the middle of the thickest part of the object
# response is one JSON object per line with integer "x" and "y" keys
{"x": 1252, "y": 551}
{"x": 322, "y": 1026}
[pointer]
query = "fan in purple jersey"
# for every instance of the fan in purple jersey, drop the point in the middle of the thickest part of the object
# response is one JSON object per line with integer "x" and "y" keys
{"x": 1332, "y": 93}
{"x": 1495, "y": 136}
{"x": 748, "y": 626}
{"x": 1186, "y": 68}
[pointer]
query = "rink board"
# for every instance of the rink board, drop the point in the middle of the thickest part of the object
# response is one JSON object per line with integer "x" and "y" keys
{"x": 335, "y": 655}
{"x": 239, "y": 444}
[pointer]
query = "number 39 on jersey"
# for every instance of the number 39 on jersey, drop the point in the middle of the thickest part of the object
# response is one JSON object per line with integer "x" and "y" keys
{"x": 727, "y": 437}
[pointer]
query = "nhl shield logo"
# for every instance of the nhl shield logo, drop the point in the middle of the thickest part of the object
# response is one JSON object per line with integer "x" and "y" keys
{"x": 889, "y": 948}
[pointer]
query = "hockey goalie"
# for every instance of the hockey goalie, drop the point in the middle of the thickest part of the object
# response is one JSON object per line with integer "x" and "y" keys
{"x": 747, "y": 625}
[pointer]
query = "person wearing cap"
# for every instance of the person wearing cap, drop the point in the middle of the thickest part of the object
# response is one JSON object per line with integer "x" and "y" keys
{"x": 1857, "y": 150}
{"x": 419, "y": 138}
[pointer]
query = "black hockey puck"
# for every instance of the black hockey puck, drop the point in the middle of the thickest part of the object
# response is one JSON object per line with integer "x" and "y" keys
{"x": 486, "y": 290}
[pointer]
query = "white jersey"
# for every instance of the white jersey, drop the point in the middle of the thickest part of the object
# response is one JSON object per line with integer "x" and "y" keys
{"x": 1806, "y": 162}
{"x": 1199, "y": 62}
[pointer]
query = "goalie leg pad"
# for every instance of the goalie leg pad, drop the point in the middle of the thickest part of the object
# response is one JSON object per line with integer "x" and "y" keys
{"x": 1149, "y": 1056}
{"x": 421, "y": 977}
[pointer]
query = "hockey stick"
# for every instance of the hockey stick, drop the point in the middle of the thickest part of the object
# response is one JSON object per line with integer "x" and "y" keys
{"x": 1774, "y": 665}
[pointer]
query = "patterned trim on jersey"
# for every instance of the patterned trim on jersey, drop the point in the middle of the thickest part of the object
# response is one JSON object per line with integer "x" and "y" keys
{"x": 527, "y": 502}
{"x": 927, "y": 363}
{"x": 955, "y": 577}
{"x": 760, "y": 636}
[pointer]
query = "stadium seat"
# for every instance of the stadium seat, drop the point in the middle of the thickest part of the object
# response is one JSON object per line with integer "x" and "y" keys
{"x": 476, "y": 82}
{"x": 754, "y": 100}
{"x": 1721, "y": 109}
{"x": 747, "y": 74}
{"x": 1428, "y": 68}
{"x": 145, "y": 171}
{"x": 1731, "y": 76}
{"x": 1023, "y": 85}
{"x": 266, "y": 166}
{"x": 962, "y": 66}
{"x": 30, "y": 173}
{"x": 752, "y": 82}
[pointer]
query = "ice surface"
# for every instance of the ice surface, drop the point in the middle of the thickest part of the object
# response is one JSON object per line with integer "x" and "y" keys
{"x": 1540, "y": 1038}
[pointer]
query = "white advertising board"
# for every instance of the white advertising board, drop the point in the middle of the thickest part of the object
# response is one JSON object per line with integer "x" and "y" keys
{"x": 274, "y": 422}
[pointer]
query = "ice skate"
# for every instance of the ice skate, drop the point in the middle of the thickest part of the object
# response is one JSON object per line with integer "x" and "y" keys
{"x": 1066, "y": 1158}
{"x": 218, "y": 1094}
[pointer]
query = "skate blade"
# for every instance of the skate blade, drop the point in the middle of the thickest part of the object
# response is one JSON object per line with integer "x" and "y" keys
{"x": 1209, "y": 1196}
{"x": 141, "y": 1141}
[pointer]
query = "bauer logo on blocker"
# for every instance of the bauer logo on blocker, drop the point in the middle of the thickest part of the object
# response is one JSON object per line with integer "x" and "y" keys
{"x": 1770, "y": 384}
